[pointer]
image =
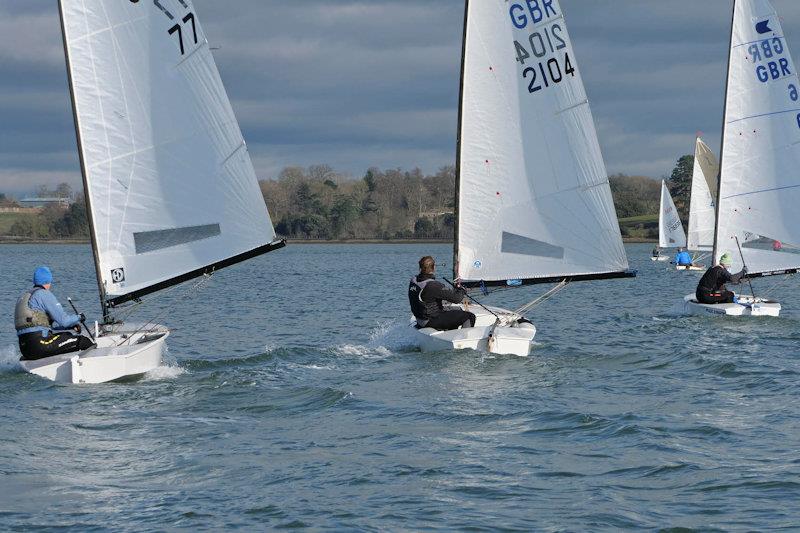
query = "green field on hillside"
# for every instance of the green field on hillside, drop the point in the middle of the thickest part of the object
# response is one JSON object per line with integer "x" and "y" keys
{"x": 644, "y": 219}
{"x": 8, "y": 219}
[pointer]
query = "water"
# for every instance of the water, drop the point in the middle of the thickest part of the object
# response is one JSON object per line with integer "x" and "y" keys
{"x": 291, "y": 400}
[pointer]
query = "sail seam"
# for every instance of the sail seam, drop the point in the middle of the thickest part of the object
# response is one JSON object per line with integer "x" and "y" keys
{"x": 575, "y": 106}
{"x": 761, "y": 191}
{"x": 192, "y": 53}
{"x": 236, "y": 151}
{"x": 764, "y": 115}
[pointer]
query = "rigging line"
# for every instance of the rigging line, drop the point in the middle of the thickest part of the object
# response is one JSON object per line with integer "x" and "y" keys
{"x": 128, "y": 311}
{"x": 190, "y": 290}
{"x": 542, "y": 299}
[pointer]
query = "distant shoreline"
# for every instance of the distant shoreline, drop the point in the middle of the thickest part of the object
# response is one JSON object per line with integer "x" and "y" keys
{"x": 12, "y": 240}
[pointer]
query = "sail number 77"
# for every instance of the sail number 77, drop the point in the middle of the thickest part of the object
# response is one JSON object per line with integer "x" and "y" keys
{"x": 177, "y": 28}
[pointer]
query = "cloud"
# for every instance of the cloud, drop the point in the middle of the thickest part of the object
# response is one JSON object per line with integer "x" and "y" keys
{"x": 357, "y": 83}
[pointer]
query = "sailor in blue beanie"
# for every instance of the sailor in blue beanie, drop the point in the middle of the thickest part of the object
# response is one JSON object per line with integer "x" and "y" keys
{"x": 43, "y": 328}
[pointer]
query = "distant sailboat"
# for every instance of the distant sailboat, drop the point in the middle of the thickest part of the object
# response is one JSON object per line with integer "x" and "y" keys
{"x": 759, "y": 183}
{"x": 533, "y": 199}
{"x": 171, "y": 191}
{"x": 670, "y": 227}
{"x": 702, "y": 210}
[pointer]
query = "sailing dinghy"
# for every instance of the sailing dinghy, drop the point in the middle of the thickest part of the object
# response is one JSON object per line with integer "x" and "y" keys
{"x": 670, "y": 227}
{"x": 759, "y": 186}
{"x": 702, "y": 203}
{"x": 533, "y": 202}
{"x": 170, "y": 188}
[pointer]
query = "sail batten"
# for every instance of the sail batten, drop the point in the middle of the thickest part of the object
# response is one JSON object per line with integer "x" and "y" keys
{"x": 169, "y": 182}
{"x": 533, "y": 198}
{"x": 759, "y": 185}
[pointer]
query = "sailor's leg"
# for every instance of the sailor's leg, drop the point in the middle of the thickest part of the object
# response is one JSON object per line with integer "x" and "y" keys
{"x": 728, "y": 297}
{"x": 451, "y": 320}
{"x": 711, "y": 298}
{"x": 470, "y": 321}
{"x": 35, "y": 346}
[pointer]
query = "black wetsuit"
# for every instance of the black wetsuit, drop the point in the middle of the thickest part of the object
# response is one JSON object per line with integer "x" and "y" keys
{"x": 36, "y": 346}
{"x": 428, "y": 308}
{"x": 712, "y": 290}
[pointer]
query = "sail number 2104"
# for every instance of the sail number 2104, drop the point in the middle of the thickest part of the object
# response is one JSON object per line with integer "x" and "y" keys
{"x": 540, "y": 57}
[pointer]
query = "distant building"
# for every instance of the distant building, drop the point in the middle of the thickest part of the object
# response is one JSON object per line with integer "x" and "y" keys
{"x": 43, "y": 202}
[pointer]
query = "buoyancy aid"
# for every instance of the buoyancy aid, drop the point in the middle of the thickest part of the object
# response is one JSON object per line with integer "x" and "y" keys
{"x": 25, "y": 317}
{"x": 423, "y": 311}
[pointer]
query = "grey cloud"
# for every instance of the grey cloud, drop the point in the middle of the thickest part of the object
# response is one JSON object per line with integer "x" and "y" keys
{"x": 375, "y": 83}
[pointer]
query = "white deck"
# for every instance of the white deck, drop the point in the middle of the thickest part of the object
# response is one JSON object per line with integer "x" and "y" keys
{"x": 690, "y": 268}
{"x": 119, "y": 354}
{"x": 512, "y": 339}
{"x": 746, "y": 307}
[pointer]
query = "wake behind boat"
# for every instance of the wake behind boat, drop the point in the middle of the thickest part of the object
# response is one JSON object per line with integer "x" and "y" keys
{"x": 527, "y": 211}
{"x": 170, "y": 188}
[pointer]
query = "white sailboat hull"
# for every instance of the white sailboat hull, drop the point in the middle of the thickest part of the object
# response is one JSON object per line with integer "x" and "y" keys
{"x": 121, "y": 354}
{"x": 660, "y": 258}
{"x": 690, "y": 268}
{"x": 516, "y": 338}
{"x": 747, "y": 307}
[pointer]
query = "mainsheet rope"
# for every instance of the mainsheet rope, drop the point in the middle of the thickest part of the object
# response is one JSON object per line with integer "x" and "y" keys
{"x": 191, "y": 291}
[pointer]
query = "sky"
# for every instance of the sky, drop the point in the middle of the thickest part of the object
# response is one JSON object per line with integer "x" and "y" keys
{"x": 362, "y": 83}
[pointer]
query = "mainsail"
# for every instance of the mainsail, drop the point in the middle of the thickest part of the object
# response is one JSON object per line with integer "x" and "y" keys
{"x": 760, "y": 185}
{"x": 670, "y": 227}
{"x": 170, "y": 186}
{"x": 534, "y": 202}
{"x": 702, "y": 213}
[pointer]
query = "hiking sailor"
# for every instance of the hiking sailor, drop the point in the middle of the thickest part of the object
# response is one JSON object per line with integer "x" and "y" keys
{"x": 683, "y": 258}
{"x": 43, "y": 328}
{"x": 656, "y": 252}
{"x": 712, "y": 290}
{"x": 425, "y": 295}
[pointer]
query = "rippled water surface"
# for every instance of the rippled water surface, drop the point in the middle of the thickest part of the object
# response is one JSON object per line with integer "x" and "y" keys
{"x": 292, "y": 399}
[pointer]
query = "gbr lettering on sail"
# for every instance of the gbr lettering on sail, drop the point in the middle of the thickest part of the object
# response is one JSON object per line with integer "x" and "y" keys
{"x": 541, "y": 43}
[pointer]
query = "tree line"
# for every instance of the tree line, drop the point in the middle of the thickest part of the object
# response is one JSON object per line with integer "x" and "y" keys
{"x": 318, "y": 203}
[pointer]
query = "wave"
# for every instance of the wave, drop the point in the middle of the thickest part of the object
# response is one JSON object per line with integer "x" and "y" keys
{"x": 392, "y": 336}
{"x": 9, "y": 360}
{"x": 165, "y": 372}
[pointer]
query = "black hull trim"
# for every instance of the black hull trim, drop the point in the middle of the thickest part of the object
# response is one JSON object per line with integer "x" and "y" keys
{"x": 558, "y": 279}
{"x": 773, "y": 273}
{"x": 210, "y": 269}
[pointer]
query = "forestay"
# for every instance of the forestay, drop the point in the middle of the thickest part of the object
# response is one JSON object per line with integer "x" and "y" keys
{"x": 760, "y": 184}
{"x": 534, "y": 199}
{"x": 702, "y": 213}
{"x": 169, "y": 180}
{"x": 670, "y": 227}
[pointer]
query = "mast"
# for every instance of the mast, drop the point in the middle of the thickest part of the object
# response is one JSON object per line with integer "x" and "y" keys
{"x": 722, "y": 142}
{"x": 458, "y": 140}
{"x": 87, "y": 196}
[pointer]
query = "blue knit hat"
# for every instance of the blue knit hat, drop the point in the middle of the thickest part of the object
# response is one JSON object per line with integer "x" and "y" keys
{"x": 42, "y": 276}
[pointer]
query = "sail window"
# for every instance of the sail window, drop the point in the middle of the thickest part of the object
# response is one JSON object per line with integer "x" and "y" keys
{"x": 151, "y": 241}
{"x": 518, "y": 244}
